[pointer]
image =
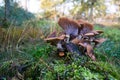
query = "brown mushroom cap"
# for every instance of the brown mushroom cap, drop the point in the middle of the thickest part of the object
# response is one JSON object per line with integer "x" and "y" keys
{"x": 70, "y": 26}
{"x": 90, "y": 52}
{"x": 75, "y": 41}
{"x": 94, "y": 32}
{"x": 61, "y": 54}
{"x": 101, "y": 40}
{"x": 55, "y": 40}
{"x": 90, "y": 34}
{"x": 99, "y": 31}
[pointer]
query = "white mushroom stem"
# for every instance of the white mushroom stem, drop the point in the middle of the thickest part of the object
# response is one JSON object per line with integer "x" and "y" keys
{"x": 68, "y": 38}
{"x": 59, "y": 46}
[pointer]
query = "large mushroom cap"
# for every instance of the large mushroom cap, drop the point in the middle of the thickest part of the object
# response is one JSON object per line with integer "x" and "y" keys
{"x": 71, "y": 27}
{"x": 85, "y": 26}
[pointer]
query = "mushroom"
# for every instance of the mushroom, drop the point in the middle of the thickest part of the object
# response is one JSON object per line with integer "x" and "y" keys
{"x": 75, "y": 33}
{"x": 55, "y": 40}
{"x": 61, "y": 54}
{"x": 89, "y": 50}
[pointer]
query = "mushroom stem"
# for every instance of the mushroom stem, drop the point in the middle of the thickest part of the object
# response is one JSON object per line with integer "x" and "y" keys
{"x": 68, "y": 38}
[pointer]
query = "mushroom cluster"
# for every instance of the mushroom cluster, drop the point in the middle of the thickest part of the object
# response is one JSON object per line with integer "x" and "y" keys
{"x": 78, "y": 36}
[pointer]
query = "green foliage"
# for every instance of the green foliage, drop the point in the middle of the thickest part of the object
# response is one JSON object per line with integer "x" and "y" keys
{"x": 42, "y": 51}
{"x": 4, "y": 67}
{"x": 83, "y": 8}
{"x": 110, "y": 33}
{"x": 17, "y": 15}
{"x": 111, "y": 47}
{"x": 104, "y": 69}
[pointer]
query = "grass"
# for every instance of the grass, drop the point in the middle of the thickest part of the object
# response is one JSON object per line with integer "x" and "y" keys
{"x": 111, "y": 47}
{"x": 24, "y": 55}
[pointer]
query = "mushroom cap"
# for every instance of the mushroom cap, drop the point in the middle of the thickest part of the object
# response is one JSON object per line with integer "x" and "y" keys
{"x": 55, "y": 40}
{"x": 75, "y": 41}
{"x": 90, "y": 34}
{"x": 99, "y": 31}
{"x": 61, "y": 54}
{"x": 70, "y": 27}
{"x": 89, "y": 50}
{"x": 101, "y": 40}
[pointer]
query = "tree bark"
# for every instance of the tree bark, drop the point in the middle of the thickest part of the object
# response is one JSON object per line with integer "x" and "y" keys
{"x": 7, "y": 9}
{"x": 91, "y": 14}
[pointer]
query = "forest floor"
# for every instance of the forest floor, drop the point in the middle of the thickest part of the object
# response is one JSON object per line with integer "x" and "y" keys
{"x": 24, "y": 55}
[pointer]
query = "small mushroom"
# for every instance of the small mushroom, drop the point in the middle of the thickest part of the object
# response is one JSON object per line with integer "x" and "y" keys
{"x": 61, "y": 54}
{"x": 75, "y": 41}
{"x": 99, "y": 31}
{"x": 54, "y": 40}
{"x": 95, "y": 32}
{"x": 101, "y": 40}
{"x": 83, "y": 44}
{"x": 89, "y": 50}
{"x": 90, "y": 34}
